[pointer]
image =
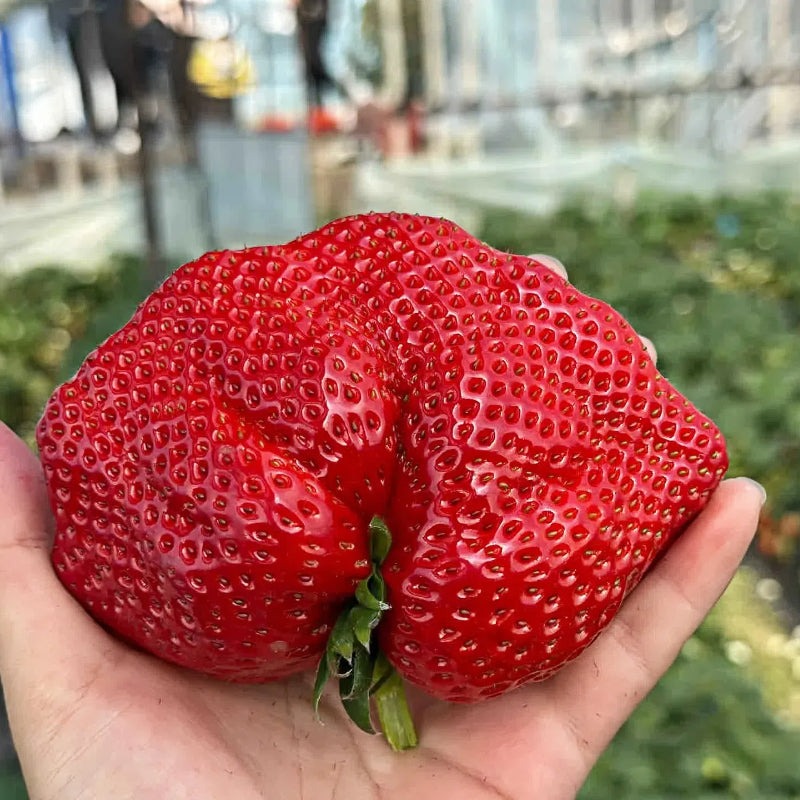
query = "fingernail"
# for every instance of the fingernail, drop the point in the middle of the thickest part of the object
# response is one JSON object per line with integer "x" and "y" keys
{"x": 760, "y": 489}
{"x": 551, "y": 262}
{"x": 650, "y": 347}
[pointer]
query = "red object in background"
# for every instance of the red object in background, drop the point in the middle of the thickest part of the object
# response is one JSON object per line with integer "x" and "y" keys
{"x": 416, "y": 125}
{"x": 321, "y": 121}
{"x": 276, "y": 123}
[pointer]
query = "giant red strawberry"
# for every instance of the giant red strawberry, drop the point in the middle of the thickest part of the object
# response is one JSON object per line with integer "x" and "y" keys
{"x": 214, "y": 466}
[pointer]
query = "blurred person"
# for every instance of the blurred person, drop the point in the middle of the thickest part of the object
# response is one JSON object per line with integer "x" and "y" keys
{"x": 134, "y": 43}
{"x": 121, "y": 36}
{"x": 92, "y": 717}
{"x": 78, "y": 23}
{"x": 312, "y": 23}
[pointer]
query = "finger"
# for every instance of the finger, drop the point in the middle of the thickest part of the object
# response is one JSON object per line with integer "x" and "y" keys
{"x": 39, "y": 622}
{"x": 600, "y": 689}
{"x": 650, "y": 347}
{"x": 25, "y": 525}
{"x": 551, "y": 263}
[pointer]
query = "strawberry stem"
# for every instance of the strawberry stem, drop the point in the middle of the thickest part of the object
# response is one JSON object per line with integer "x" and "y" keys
{"x": 355, "y": 661}
{"x": 393, "y": 711}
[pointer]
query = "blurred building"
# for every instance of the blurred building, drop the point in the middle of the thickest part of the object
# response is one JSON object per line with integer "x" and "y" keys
{"x": 526, "y": 101}
{"x": 436, "y": 105}
{"x": 700, "y": 73}
{"x": 683, "y": 70}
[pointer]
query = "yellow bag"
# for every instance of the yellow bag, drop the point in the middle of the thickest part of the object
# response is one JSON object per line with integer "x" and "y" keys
{"x": 220, "y": 68}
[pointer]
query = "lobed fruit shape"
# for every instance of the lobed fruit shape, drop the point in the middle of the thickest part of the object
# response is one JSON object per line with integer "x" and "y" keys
{"x": 214, "y": 466}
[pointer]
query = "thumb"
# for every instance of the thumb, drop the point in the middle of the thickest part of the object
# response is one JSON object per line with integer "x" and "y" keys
{"x": 39, "y": 622}
{"x": 25, "y": 529}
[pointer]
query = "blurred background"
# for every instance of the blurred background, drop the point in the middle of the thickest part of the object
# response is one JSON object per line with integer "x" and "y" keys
{"x": 652, "y": 145}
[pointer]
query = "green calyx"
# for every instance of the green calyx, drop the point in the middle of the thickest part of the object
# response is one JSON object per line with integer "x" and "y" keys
{"x": 353, "y": 658}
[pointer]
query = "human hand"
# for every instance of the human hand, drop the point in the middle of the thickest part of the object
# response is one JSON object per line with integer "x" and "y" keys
{"x": 93, "y": 718}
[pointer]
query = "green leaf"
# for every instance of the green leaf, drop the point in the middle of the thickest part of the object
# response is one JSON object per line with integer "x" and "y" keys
{"x": 381, "y": 672}
{"x": 340, "y": 643}
{"x": 363, "y": 621}
{"x": 380, "y": 540}
{"x": 367, "y": 594}
{"x": 361, "y": 679}
{"x": 349, "y": 654}
{"x": 340, "y": 668}
{"x": 323, "y": 673}
{"x": 357, "y": 708}
{"x": 377, "y": 587}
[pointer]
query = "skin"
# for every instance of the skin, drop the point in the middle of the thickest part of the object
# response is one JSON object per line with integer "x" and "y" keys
{"x": 93, "y": 718}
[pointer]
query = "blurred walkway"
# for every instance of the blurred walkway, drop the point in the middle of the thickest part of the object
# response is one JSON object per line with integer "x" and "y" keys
{"x": 539, "y": 184}
{"x": 254, "y": 190}
{"x": 82, "y": 230}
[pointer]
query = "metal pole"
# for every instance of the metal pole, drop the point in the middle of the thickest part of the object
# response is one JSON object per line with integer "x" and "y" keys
{"x": 154, "y": 271}
{"x": 154, "y": 265}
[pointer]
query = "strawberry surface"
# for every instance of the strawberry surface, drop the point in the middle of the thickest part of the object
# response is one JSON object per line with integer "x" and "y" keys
{"x": 213, "y": 467}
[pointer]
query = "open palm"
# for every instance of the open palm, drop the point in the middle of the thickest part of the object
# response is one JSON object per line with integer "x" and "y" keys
{"x": 93, "y": 718}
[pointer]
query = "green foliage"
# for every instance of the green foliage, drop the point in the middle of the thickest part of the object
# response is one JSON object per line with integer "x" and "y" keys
{"x": 12, "y": 787}
{"x": 49, "y": 319}
{"x": 702, "y": 732}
